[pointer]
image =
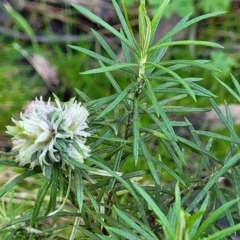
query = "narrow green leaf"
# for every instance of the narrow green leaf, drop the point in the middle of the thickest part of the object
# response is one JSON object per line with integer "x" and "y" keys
{"x": 7, "y": 187}
{"x": 159, "y": 111}
{"x": 104, "y": 44}
{"x": 88, "y": 233}
{"x": 235, "y": 173}
{"x": 110, "y": 68}
{"x": 142, "y": 27}
{"x": 222, "y": 198}
{"x": 79, "y": 187}
{"x": 200, "y": 89}
{"x": 125, "y": 26}
{"x": 174, "y": 30}
{"x": 176, "y": 154}
{"x": 93, "y": 200}
{"x": 184, "y": 42}
{"x": 183, "y": 91}
{"x": 157, "y": 16}
{"x": 183, "y": 24}
{"x": 111, "y": 80}
{"x": 236, "y": 83}
{"x": 134, "y": 174}
{"x": 78, "y": 164}
{"x": 148, "y": 159}
{"x": 54, "y": 191}
{"x": 114, "y": 84}
{"x": 169, "y": 232}
{"x": 177, "y": 202}
{"x": 118, "y": 154}
{"x": 125, "y": 51}
{"x": 39, "y": 200}
{"x": 155, "y": 57}
{"x": 105, "y": 237}
{"x": 170, "y": 144}
{"x": 167, "y": 70}
{"x": 213, "y": 218}
{"x": 228, "y": 113}
{"x": 164, "y": 127}
{"x": 113, "y": 127}
{"x": 185, "y": 109}
{"x": 168, "y": 170}
{"x": 159, "y": 134}
{"x": 217, "y": 136}
{"x": 230, "y": 89}
{"x": 183, "y": 63}
{"x": 171, "y": 216}
{"x": 171, "y": 99}
{"x": 61, "y": 184}
{"x": 94, "y": 55}
{"x": 111, "y": 139}
{"x": 10, "y": 209}
{"x": 136, "y": 133}
{"x": 119, "y": 224}
{"x": 120, "y": 97}
{"x": 179, "y": 215}
{"x": 224, "y": 119}
{"x": 125, "y": 13}
{"x": 195, "y": 220}
{"x": 96, "y": 104}
{"x": 205, "y": 159}
{"x": 145, "y": 35}
{"x": 222, "y": 234}
{"x": 127, "y": 235}
{"x": 197, "y": 148}
{"x": 168, "y": 131}
{"x": 101, "y": 140}
{"x": 83, "y": 95}
{"x": 171, "y": 80}
{"x": 152, "y": 95}
{"x": 99, "y": 21}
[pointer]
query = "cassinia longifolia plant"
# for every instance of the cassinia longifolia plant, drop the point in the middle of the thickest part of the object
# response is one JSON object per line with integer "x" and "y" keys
{"x": 116, "y": 167}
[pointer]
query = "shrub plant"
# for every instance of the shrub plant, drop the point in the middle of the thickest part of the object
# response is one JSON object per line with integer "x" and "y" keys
{"x": 116, "y": 167}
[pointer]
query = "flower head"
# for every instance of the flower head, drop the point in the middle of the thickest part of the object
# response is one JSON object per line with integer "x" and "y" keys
{"x": 45, "y": 131}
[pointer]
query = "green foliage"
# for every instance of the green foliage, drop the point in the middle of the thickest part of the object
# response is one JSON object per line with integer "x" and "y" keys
{"x": 104, "y": 198}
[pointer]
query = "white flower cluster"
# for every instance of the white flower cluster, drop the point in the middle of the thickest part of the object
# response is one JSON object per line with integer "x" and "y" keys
{"x": 45, "y": 130}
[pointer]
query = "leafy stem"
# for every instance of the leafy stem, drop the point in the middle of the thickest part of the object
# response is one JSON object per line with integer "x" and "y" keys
{"x": 145, "y": 38}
